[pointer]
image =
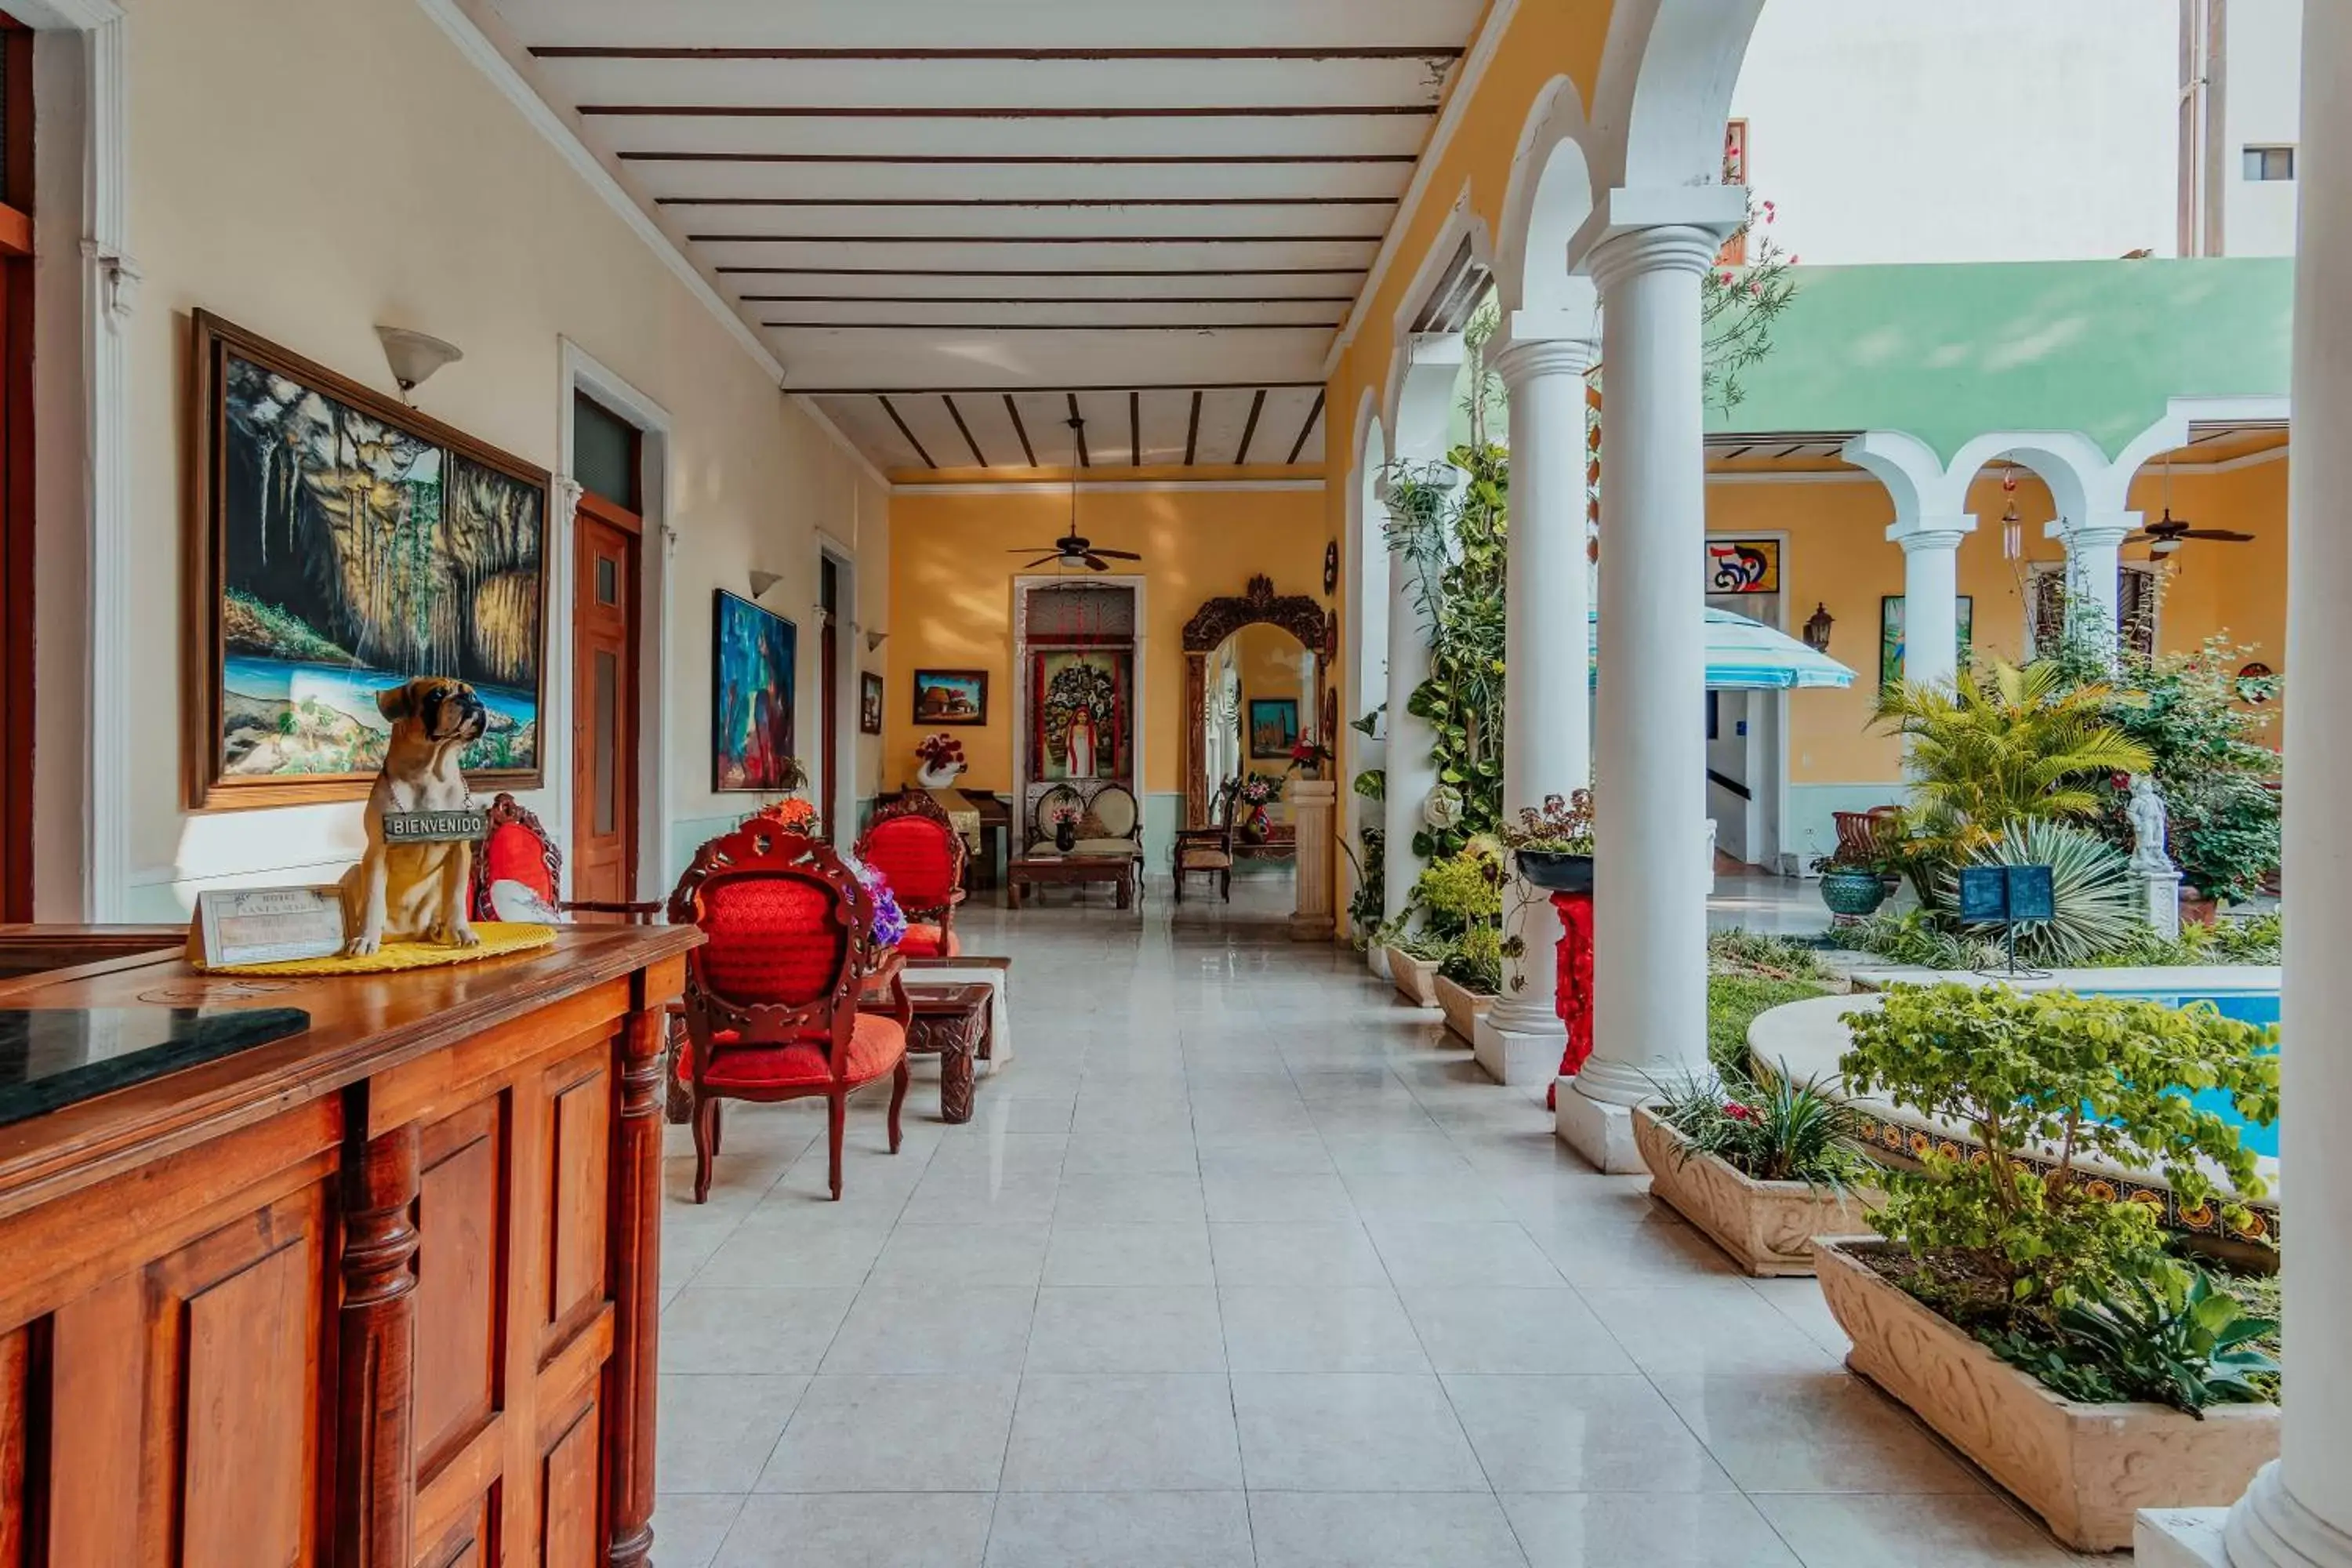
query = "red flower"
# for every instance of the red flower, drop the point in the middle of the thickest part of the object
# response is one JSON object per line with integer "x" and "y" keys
{"x": 1738, "y": 1111}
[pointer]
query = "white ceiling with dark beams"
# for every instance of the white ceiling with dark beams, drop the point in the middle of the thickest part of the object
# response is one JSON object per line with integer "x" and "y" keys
{"x": 952, "y": 222}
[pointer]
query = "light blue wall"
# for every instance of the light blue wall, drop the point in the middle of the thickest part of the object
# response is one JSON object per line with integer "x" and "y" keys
{"x": 1812, "y": 832}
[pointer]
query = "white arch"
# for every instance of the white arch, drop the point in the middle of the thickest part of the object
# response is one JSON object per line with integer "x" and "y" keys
{"x": 2083, "y": 483}
{"x": 1462, "y": 222}
{"x": 1548, "y": 197}
{"x": 1667, "y": 70}
{"x": 1365, "y": 558}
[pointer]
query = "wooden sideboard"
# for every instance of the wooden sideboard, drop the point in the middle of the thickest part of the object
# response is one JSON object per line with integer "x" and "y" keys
{"x": 381, "y": 1294}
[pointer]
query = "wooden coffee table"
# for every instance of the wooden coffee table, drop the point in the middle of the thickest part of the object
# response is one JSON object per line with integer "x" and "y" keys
{"x": 950, "y": 1022}
{"x": 1117, "y": 869}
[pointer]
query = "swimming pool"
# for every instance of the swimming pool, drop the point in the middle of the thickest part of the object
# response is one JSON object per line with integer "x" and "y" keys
{"x": 2258, "y": 1007}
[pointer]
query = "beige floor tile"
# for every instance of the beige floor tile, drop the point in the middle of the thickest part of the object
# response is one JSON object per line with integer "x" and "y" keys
{"x": 935, "y": 1328}
{"x": 1620, "y": 1530}
{"x": 1503, "y": 1327}
{"x": 1318, "y": 1329}
{"x": 1443, "y": 1256}
{"x": 1123, "y": 1432}
{"x": 717, "y": 1429}
{"x": 1132, "y": 1529}
{"x": 1378, "y": 1529}
{"x": 870, "y": 1530}
{"x": 1981, "y": 1531}
{"x": 767, "y": 1330}
{"x": 1581, "y": 1433}
{"x": 1331, "y": 1253}
{"x": 893, "y": 1434}
{"x": 1154, "y": 1327}
{"x": 1826, "y": 1432}
{"x": 1352, "y": 1432}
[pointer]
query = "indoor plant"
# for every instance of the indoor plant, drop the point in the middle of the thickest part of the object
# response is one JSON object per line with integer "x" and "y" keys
{"x": 1852, "y": 885}
{"x": 1762, "y": 1164}
{"x": 1462, "y": 896}
{"x": 1971, "y": 1307}
{"x": 1553, "y": 846}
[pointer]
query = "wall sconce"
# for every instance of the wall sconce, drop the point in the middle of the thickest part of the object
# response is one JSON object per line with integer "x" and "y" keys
{"x": 763, "y": 581}
{"x": 415, "y": 356}
{"x": 1817, "y": 629}
{"x": 875, "y": 640}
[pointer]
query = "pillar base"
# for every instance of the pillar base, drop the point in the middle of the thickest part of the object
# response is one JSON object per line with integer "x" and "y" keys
{"x": 1600, "y": 1132}
{"x": 1310, "y": 928}
{"x": 1376, "y": 959}
{"x": 1518, "y": 1052}
{"x": 2179, "y": 1538}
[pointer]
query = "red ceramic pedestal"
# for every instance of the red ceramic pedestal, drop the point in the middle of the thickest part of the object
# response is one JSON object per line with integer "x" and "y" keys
{"x": 1575, "y": 996}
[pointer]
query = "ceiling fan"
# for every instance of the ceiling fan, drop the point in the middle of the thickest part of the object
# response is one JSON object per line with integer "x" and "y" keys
{"x": 1073, "y": 549}
{"x": 2167, "y": 533}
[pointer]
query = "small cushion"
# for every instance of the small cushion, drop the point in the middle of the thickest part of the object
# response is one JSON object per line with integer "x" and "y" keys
{"x": 876, "y": 1045}
{"x": 1091, "y": 827}
{"x": 1203, "y": 859}
{"x": 922, "y": 940}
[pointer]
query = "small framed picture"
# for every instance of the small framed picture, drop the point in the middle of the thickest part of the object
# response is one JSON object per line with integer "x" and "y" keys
{"x": 1272, "y": 727}
{"x": 870, "y": 703}
{"x": 951, "y": 697}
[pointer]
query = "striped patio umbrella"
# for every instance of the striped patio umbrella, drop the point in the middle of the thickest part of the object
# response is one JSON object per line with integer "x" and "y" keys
{"x": 1748, "y": 656}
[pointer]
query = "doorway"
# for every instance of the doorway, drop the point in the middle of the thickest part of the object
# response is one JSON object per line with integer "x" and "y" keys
{"x": 828, "y": 644}
{"x": 607, "y": 534}
{"x": 16, "y": 673}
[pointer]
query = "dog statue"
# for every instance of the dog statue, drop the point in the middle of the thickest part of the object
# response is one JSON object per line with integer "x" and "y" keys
{"x": 416, "y": 891}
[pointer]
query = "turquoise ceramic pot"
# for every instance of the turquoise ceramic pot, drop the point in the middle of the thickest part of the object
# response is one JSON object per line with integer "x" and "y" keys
{"x": 1853, "y": 893}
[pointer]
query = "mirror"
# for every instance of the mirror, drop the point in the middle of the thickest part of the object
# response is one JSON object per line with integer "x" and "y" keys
{"x": 1258, "y": 698}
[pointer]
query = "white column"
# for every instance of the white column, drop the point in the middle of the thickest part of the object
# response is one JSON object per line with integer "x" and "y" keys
{"x": 2094, "y": 565}
{"x": 1547, "y": 749}
{"x": 1652, "y": 864}
{"x": 1931, "y": 596}
{"x": 1412, "y": 774}
{"x": 1312, "y": 806}
{"x": 2298, "y": 1512}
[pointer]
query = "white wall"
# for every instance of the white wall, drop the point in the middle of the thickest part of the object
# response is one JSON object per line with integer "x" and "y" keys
{"x": 309, "y": 171}
{"x": 2262, "y": 107}
{"x": 1889, "y": 131}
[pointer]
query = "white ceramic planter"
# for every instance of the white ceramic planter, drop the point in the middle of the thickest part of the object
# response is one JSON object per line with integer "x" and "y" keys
{"x": 1415, "y": 978}
{"x": 1463, "y": 1008}
{"x": 2085, "y": 1469}
{"x": 1767, "y": 1226}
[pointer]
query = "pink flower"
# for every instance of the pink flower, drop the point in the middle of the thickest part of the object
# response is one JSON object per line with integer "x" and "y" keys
{"x": 1738, "y": 1111}
{"x": 1726, "y": 278}
{"x": 1756, "y": 289}
{"x": 1793, "y": 260}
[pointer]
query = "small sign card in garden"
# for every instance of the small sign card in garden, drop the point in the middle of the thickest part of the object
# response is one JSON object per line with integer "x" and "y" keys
{"x": 2006, "y": 897}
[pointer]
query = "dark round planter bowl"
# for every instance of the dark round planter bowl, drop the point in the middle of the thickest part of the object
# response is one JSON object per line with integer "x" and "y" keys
{"x": 1852, "y": 894}
{"x": 1555, "y": 870}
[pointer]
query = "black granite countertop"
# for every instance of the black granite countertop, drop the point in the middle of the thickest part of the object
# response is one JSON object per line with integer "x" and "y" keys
{"x": 53, "y": 1056}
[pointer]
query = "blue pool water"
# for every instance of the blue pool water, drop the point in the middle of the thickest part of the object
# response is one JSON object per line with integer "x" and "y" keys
{"x": 2247, "y": 1006}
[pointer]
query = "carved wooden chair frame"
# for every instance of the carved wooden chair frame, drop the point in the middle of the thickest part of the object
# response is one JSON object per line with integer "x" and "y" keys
{"x": 918, "y": 803}
{"x": 760, "y": 849}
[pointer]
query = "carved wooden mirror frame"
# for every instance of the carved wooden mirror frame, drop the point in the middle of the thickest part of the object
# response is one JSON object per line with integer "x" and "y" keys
{"x": 1300, "y": 614}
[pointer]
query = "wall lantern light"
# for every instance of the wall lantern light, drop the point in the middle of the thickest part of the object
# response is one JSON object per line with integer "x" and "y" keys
{"x": 763, "y": 581}
{"x": 1817, "y": 629}
{"x": 415, "y": 356}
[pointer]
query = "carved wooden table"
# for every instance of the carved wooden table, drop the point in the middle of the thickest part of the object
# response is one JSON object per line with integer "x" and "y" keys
{"x": 950, "y": 1023}
{"x": 1036, "y": 870}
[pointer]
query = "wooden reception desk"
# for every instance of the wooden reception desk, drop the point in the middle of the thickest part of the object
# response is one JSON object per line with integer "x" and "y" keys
{"x": 378, "y": 1294}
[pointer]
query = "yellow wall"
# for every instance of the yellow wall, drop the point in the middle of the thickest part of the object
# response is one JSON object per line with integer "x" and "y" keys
{"x": 358, "y": 170}
{"x": 953, "y": 559}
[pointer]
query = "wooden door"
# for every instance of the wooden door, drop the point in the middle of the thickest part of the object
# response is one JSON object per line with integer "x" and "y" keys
{"x": 604, "y": 702}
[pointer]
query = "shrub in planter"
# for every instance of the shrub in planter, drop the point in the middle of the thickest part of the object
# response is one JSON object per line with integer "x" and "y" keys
{"x": 1553, "y": 846}
{"x": 2068, "y": 1078}
{"x": 2031, "y": 1319}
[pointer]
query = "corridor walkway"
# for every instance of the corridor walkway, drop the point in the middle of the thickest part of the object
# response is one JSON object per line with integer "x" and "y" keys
{"x": 1241, "y": 1262}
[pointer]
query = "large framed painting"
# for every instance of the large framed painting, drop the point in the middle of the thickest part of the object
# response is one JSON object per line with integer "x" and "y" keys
{"x": 951, "y": 697}
{"x": 343, "y": 543}
{"x": 1890, "y": 635}
{"x": 1080, "y": 724}
{"x": 1272, "y": 727}
{"x": 870, "y": 703}
{"x": 752, "y": 666}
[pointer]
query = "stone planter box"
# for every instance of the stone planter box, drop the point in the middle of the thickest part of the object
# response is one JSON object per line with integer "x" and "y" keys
{"x": 1415, "y": 978}
{"x": 1767, "y": 1226}
{"x": 2085, "y": 1469}
{"x": 1463, "y": 1008}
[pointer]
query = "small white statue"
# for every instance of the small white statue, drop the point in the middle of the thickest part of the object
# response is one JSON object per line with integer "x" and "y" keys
{"x": 2148, "y": 823}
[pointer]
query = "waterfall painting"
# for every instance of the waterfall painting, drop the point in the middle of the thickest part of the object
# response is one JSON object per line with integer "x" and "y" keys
{"x": 349, "y": 544}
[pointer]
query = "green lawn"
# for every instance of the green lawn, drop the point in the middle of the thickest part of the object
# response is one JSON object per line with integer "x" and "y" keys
{"x": 1733, "y": 1001}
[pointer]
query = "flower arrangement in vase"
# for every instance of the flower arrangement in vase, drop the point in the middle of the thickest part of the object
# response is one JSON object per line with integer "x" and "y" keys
{"x": 791, "y": 814}
{"x": 1066, "y": 828}
{"x": 1252, "y": 797}
{"x": 941, "y": 759}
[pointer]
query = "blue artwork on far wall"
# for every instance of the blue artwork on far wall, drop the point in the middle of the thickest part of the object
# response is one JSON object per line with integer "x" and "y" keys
{"x": 753, "y": 652}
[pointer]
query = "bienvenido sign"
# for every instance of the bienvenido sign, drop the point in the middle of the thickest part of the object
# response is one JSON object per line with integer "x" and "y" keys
{"x": 435, "y": 826}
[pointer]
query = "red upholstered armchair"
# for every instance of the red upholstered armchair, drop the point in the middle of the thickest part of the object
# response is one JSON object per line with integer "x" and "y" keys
{"x": 921, "y": 855}
{"x": 772, "y": 996}
{"x": 518, "y": 863}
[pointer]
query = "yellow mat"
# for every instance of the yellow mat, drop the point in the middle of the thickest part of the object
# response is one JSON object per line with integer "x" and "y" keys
{"x": 499, "y": 939}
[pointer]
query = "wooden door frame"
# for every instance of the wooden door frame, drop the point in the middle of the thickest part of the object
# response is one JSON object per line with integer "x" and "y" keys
{"x": 18, "y": 562}
{"x": 632, "y": 695}
{"x": 652, "y": 873}
{"x": 848, "y": 661}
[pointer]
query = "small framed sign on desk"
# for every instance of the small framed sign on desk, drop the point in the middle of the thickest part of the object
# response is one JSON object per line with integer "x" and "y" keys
{"x": 268, "y": 925}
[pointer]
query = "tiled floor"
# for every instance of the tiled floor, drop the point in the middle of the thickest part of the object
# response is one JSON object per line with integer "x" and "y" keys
{"x": 1241, "y": 1262}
